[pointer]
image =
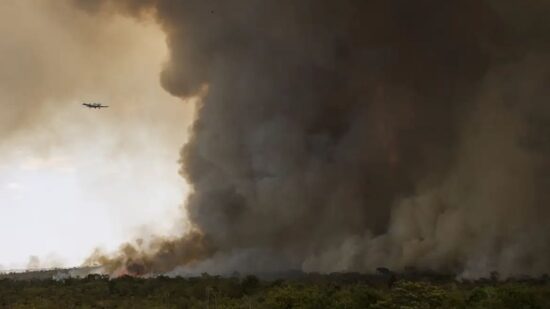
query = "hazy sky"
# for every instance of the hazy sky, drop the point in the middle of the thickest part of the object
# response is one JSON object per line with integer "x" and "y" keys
{"x": 71, "y": 178}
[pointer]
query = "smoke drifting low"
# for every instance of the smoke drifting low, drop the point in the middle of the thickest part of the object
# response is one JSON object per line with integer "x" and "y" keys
{"x": 347, "y": 135}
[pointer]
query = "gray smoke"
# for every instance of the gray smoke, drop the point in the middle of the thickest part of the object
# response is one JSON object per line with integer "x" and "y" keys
{"x": 347, "y": 135}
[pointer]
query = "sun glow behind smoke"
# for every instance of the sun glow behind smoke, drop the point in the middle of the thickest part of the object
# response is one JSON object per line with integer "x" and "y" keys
{"x": 73, "y": 179}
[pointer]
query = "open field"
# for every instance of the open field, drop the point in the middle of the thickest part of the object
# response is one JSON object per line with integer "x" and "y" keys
{"x": 308, "y": 291}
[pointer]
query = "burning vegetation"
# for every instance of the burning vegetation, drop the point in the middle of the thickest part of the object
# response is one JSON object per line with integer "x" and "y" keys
{"x": 349, "y": 135}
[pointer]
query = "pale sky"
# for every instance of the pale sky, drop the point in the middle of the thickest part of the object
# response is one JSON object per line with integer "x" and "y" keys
{"x": 73, "y": 179}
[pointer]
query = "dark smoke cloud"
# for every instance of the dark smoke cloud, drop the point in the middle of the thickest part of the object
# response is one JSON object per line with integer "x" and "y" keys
{"x": 347, "y": 135}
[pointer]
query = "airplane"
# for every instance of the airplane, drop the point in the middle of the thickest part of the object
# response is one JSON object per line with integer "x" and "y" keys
{"x": 94, "y": 105}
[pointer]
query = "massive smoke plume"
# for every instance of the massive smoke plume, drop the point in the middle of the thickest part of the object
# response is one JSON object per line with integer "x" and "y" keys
{"x": 347, "y": 135}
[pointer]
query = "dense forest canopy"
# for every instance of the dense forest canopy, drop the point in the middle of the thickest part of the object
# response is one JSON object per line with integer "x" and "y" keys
{"x": 311, "y": 291}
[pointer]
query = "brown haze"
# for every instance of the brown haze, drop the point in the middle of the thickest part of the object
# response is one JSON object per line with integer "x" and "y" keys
{"x": 53, "y": 57}
{"x": 347, "y": 135}
{"x": 51, "y": 53}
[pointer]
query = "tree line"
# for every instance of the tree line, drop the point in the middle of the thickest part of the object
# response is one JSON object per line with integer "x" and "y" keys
{"x": 340, "y": 291}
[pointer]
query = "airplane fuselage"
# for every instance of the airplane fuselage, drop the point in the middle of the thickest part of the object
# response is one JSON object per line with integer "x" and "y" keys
{"x": 94, "y": 105}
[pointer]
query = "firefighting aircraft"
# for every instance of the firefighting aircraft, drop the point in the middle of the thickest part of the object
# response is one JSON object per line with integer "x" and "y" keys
{"x": 94, "y": 105}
